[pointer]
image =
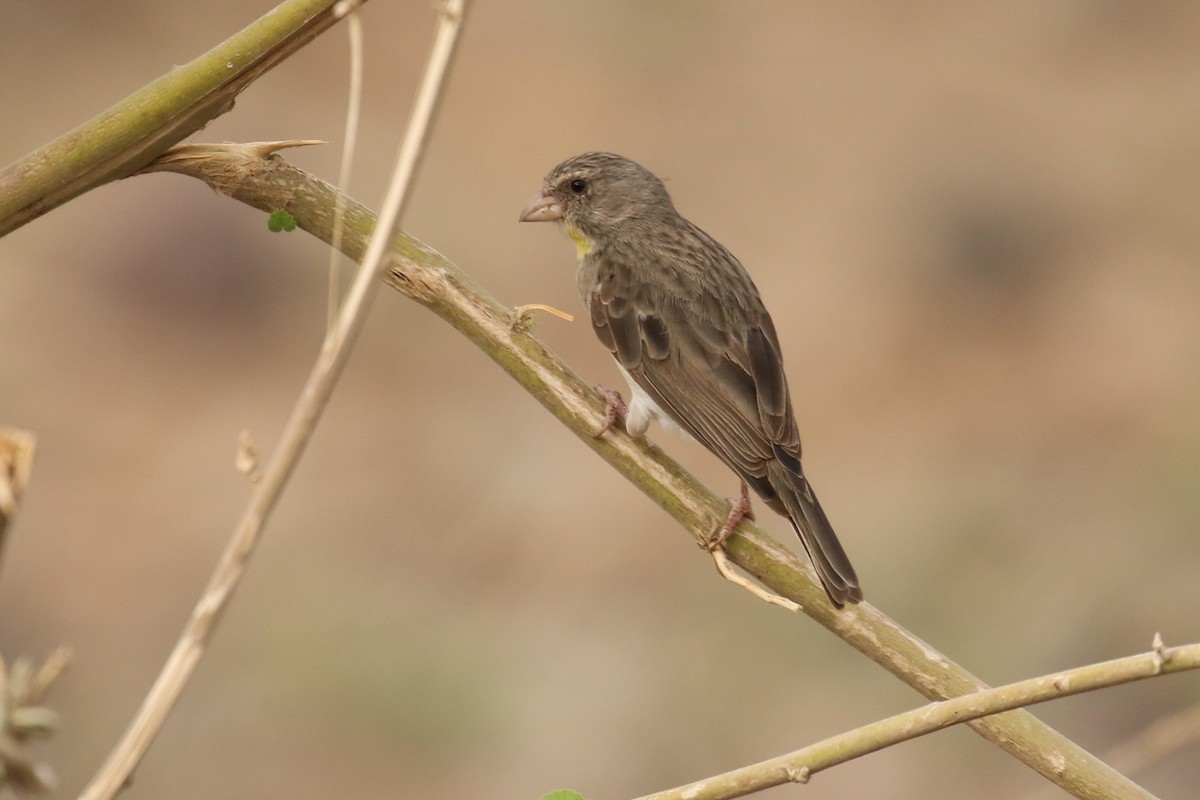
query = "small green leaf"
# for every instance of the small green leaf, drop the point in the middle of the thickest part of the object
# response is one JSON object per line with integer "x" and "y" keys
{"x": 563, "y": 794}
{"x": 281, "y": 220}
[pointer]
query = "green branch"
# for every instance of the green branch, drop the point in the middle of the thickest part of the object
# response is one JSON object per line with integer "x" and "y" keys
{"x": 123, "y": 139}
{"x": 250, "y": 173}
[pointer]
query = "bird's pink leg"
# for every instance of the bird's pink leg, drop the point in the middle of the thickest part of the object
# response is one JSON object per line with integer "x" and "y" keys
{"x": 739, "y": 509}
{"x": 614, "y": 409}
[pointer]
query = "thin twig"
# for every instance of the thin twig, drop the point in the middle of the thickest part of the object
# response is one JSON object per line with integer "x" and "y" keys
{"x": 317, "y": 390}
{"x": 801, "y": 765}
{"x": 729, "y": 574}
{"x": 349, "y": 9}
{"x": 16, "y": 462}
{"x": 424, "y": 275}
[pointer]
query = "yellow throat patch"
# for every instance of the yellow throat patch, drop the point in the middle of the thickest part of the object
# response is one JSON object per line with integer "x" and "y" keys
{"x": 583, "y": 245}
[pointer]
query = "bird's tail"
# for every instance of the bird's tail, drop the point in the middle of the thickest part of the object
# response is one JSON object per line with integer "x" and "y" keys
{"x": 816, "y": 534}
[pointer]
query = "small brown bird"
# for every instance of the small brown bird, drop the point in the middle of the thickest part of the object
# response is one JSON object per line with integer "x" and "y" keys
{"x": 690, "y": 333}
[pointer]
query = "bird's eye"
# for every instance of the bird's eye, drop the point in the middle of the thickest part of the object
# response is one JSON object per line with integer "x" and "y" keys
{"x": 579, "y": 186}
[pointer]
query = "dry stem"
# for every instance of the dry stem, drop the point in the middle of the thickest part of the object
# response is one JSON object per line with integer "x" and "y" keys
{"x": 16, "y": 462}
{"x": 334, "y": 353}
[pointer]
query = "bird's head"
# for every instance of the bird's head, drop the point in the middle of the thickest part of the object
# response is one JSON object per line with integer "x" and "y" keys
{"x": 597, "y": 195}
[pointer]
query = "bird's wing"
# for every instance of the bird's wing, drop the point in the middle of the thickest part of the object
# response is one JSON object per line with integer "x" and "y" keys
{"x": 712, "y": 365}
{"x": 707, "y": 354}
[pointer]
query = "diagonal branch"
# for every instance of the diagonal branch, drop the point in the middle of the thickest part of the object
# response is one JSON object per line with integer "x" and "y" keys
{"x": 246, "y": 173}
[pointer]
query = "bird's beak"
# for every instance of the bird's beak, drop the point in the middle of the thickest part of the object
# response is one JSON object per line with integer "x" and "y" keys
{"x": 542, "y": 208}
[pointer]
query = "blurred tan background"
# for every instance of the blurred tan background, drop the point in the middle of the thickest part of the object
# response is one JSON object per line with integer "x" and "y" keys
{"x": 977, "y": 228}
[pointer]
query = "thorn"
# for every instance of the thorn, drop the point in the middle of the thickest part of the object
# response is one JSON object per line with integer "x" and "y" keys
{"x": 523, "y": 316}
{"x": 1161, "y": 654}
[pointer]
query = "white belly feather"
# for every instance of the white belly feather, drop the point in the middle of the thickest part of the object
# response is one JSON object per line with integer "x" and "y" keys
{"x": 642, "y": 409}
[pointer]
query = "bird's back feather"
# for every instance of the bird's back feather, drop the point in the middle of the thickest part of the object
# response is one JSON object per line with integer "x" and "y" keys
{"x": 715, "y": 368}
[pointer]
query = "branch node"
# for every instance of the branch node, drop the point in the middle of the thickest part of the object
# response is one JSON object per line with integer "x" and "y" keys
{"x": 246, "y": 459}
{"x": 1161, "y": 653}
{"x": 450, "y": 11}
{"x": 523, "y": 316}
{"x": 800, "y": 775}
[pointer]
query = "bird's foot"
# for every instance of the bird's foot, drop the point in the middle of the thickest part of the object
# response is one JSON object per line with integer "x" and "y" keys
{"x": 614, "y": 409}
{"x": 739, "y": 509}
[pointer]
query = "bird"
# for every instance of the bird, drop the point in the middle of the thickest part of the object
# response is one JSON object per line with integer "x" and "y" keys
{"x": 693, "y": 339}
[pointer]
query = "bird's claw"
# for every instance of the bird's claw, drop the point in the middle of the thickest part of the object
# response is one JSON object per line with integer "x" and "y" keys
{"x": 614, "y": 409}
{"x": 739, "y": 509}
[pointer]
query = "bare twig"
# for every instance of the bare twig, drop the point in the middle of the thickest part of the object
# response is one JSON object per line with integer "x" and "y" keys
{"x": 802, "y": 764}
{"x": 731, "y": 575}
{"x": 334, "y": 353}
{"x": 424, "y": 275}
{"x": 348, "y": 9}
{"x": 16, "y": 462}
{"x": 22, "y": 688}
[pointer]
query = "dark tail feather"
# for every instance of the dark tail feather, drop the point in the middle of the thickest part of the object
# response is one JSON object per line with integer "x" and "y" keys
{"x": 817, "y": 536}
